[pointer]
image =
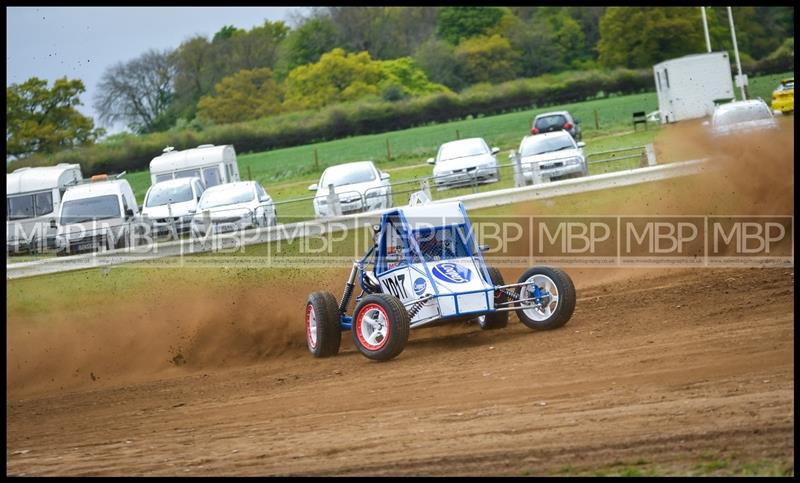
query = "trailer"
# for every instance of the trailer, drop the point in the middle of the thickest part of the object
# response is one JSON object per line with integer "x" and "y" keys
{"x": 212, "y": 164}
{"x": 689, "y": 87}
{"x": 33, "y": 197}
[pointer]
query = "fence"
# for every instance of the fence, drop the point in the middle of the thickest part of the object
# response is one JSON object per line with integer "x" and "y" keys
{"x": 512, "y": 174}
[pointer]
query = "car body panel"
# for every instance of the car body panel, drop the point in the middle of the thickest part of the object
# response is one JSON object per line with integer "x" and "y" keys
{"x": 783, "y": 96}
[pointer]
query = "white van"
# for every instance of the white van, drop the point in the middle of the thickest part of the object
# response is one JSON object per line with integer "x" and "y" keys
{"x": 212, "y": 164}
{"x": 98, "y": 215}
{"x": 33, "y": 197}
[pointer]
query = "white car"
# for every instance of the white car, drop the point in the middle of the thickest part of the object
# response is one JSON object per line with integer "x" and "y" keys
{"x": 233, "y": 207}
{"x": 359, "y": 186}
{"x": 741, "y": 117}
{"x": 172, "y": 201}
{"x": 556, "y": 154}
{"x": 465, "y": 162}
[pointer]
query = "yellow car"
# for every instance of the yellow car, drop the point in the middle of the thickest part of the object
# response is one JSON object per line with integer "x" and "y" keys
{"x": 783, "y": 96}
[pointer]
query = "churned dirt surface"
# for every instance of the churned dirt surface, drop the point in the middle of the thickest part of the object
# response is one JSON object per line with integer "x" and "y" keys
{"x": 663, "y": 368}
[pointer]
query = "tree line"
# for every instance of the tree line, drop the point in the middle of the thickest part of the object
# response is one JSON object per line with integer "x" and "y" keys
{"x": 386, "y": 54}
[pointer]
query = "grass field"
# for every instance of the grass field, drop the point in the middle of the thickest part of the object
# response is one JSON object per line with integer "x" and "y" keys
{"x": 286, "y": 173}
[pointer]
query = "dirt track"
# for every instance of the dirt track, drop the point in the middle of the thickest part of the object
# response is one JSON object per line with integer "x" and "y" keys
{"x": 689, "y": 370}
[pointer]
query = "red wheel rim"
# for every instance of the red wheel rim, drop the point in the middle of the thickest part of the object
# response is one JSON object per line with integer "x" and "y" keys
{"x": 372, "y": 327}
{"x": 311, "y": 332}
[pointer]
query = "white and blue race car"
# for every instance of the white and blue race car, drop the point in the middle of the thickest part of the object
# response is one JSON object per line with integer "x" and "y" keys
{"x": 424, "y": 268}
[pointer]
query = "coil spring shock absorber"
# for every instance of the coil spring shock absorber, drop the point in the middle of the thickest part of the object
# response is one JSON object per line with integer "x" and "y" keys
{"x": 509, "y": 293}
{"x": 348, "y": 288}
{"x": 415, "y": 308}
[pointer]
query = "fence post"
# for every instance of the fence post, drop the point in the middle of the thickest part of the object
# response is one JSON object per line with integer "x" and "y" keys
{"x": 519, "y": 176}
{"x": 596, "y": 122}
{"x": 333, "y": 201}
{"x": 650, "y": 154}
{"x": 316, "y": 160}
{"x": 425, "y": 186}
{"x": 172, "y": 226}
{"x": 458, "y": 134}
{"x": 249, "y": 174}
{"x": 537, "y": 174}
{"x": 388, "y": 150}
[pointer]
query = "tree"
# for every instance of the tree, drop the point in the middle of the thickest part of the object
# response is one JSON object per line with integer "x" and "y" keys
{"x": 138, "y": 92}
{"x": 340, "y": 77}
{"x": 642, "y": 36}
{"x": 487, "y": 59}
{"x": 246, "y": 95}
{"x": 457, "y": 23}
{"x": 194, "y": 75}
{"x": 437, "y": 58}
{"x": 307, "y": 43}
{"x": 42, "y": 120}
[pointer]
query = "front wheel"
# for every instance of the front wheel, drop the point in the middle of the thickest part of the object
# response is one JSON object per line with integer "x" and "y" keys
{"x": 323, "y": 332}
{"x": 548, "y": 298}
{"x": 380, "y": 326}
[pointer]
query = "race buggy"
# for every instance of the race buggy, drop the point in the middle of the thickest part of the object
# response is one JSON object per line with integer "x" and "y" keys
{"x": 425, "y": 268}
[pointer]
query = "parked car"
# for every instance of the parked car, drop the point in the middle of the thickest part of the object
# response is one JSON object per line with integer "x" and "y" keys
{"x": 465, "y": 162}
{"x": 556, "y": 154}
{"x": 172, "y": 203}
{"x": 33, "y": 197}
{"x": 783, "y": 96}
{"x": 233, "y": 207}
{"x": 98, "y": 215}
{"x": 742, "y": 117}
{"x": 359, "y": 186}
{"x": 557, "y": 121}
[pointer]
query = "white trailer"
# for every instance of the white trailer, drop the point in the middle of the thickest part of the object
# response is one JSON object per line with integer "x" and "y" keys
{"x": 33, "y": 197}
{"x": 688, "y": 86}
{"x": 212, "y": 164}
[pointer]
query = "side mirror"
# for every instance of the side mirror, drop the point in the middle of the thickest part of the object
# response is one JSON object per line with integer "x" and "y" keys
{"x": 385, "y": 175}
{"x": 581, "y": 144}
{"x": 577, "y": 121}
{"x": 313, "y": 187}
{"x": 53, "y": 223}
{"x": 431, "y": 161}
{"x": 483, "y": 248}
{"x": 129, "y": 213}
{"x": 495, "y": 150}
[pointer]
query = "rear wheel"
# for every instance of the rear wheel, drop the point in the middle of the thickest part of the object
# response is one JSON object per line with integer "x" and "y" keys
{"x": 323, "y": 332}
{"x": 495, "y": 320}
{"x": 380, "y": 326}
{"x": 552, "y": 298}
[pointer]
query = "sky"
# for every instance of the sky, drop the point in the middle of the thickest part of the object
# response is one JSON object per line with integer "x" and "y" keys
{"x": 81, "y": 42}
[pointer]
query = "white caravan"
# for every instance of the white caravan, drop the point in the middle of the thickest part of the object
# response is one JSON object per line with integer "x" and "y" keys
{"x": 33, "y": 197}
{"x": 212, "y": 164}
{"x": 688, "y": 86}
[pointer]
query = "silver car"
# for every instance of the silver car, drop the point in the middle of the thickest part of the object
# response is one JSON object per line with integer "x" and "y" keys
{"x": 742, "y": 117}
{"x": 555, "y": 155}
{"x": 464, "y": 163}
{"x": 359, "y": 187}
{"x": 233, "y": 207}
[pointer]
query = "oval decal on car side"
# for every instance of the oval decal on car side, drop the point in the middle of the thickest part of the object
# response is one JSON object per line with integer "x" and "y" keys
{"x": 419, "y": 286}
{"x": 452, "y": 273}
